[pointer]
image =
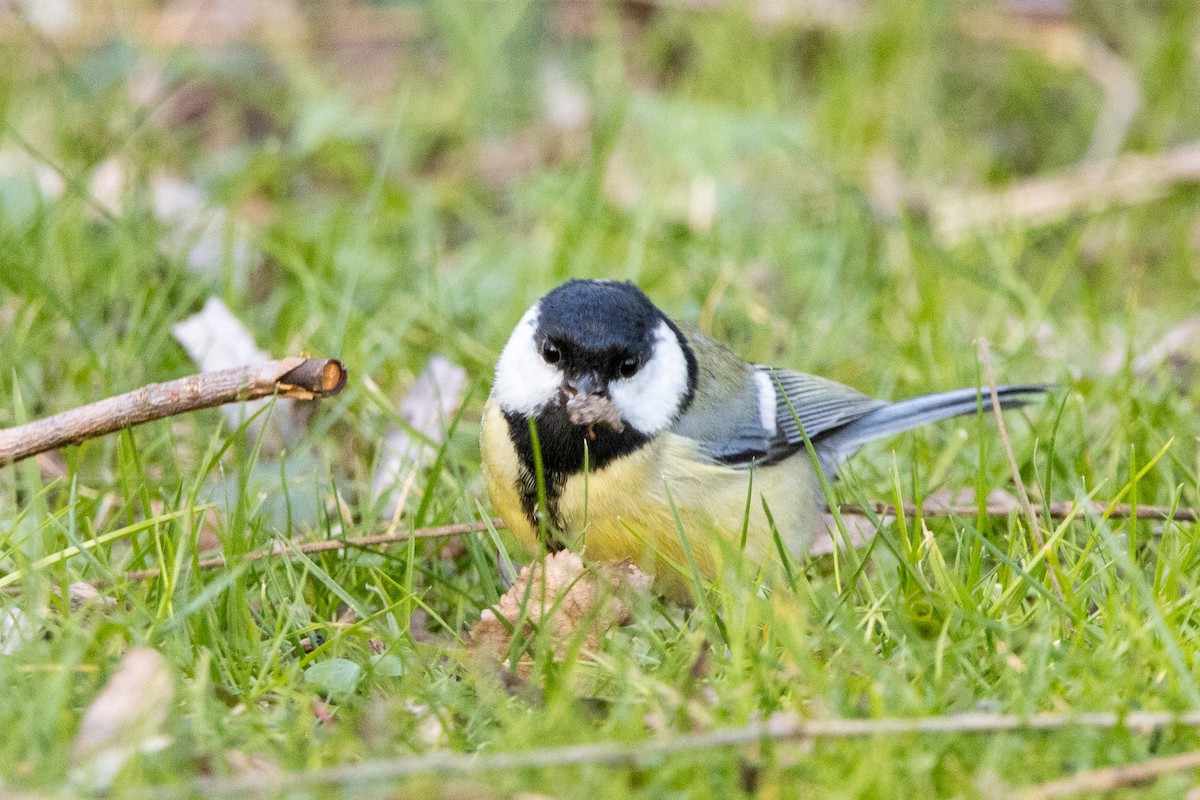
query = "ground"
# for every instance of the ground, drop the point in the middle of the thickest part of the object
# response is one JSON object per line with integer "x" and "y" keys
{"x": 387, "y": 182}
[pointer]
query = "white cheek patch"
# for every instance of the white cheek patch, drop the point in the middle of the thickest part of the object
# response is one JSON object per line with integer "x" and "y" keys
{"x": 650, "y": 399}
{"x": 524, "y": 381}
{"x": 767, "y": 400}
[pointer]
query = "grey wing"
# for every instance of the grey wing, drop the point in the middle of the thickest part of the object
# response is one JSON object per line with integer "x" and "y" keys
{"x": 756, "y": 424}
{"x": 821, "y": 406}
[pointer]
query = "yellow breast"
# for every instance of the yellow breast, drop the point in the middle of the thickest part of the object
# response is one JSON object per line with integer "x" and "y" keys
{"x": 635, "y": 507}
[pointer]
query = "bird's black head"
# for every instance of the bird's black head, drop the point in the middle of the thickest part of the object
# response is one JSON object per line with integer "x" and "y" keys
{"x": 599, "y": 370}
{"x": 597, "y": 332}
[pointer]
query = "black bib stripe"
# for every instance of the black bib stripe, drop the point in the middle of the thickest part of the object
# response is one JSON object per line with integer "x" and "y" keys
{"x": 564, "y": 446}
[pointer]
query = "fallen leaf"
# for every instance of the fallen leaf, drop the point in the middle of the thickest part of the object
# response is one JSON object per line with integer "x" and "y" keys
{"x": 82, "y": 593}
{"x": 858, "y": 528}
{"x": 212, "y": 23}
{"x": 1181, "y": 343}
{"x": 251, "y": 764}
{"x": 16, "y": 628}
{"x": 107, "y": 185}
{"x": 428, "y": 407}
{"x": 564, "y": 594}
{"x": 125, "y": 718}
{"x": 322, "y": 712}
{"x": 428, "y": 728}
{"x": 17, "y": 164}
{"x": 208, "y": 233}
{"x": 566, "y": 103}
{"x": 51, "y": 17}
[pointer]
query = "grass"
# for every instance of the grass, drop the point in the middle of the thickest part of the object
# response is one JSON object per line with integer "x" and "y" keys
{"x": 385, "y": 228}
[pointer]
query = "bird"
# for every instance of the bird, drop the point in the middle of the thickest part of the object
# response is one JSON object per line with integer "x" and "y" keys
{"x": 613, "y": 430}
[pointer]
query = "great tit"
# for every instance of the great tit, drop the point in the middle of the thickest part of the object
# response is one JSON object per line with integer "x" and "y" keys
{"x": 647, "y": 431}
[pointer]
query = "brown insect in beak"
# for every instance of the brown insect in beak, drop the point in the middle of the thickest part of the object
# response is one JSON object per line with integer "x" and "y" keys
{"x": 591, "y": 409}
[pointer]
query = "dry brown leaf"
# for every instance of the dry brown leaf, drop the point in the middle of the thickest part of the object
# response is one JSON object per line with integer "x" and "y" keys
{"x": 17, "y": 164}
{"x": 241, "y": 763}
{"x": 16, "y": 628}
{"x": 82, "y": 593}
{"x": 323, "y": 712}
{"x": 428, "y": 407}
{"x": 836, "y": 14}
{"x": 125, "y": 718}
{"x": 51, "y": 17}
{"x": 858, "y": 528}
{"x": 1179, "y": 345}
{"x": 564, "y": 594}
{"x": 212, "y": 23}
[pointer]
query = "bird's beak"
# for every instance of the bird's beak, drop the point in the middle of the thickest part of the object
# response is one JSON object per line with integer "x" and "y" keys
{"x": 587, "y": 403}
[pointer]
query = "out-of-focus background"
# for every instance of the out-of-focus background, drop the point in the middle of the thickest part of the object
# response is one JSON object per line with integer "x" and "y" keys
{"x": 857, "y": 189}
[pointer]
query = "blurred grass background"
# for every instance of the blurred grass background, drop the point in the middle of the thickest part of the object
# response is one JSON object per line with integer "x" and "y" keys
{"x": 386, "y": 181}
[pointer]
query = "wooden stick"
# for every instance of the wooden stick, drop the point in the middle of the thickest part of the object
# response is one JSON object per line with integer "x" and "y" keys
{"x": 300, "y": 378}
{"x": 1080, "y": 190}
{"x": 780, "y": 727}
{"x": 1059, "y": 510}
{"x": 326, "y": 545}
{"x": 1107, "y": 779}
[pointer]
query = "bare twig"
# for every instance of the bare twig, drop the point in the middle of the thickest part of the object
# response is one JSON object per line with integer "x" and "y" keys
{"x": 835, "y": 14}
{"x": 1109, "y": 778}
{"x": 1060, "y": 510}
{"x": 780, "y": 727}
{"x": 1084, "y": 189}
{"x": 326, "y": 545}
{"x": 1035, "y": 531}
{"x": 859, "y": 533}
{"x": 300, "y": 378}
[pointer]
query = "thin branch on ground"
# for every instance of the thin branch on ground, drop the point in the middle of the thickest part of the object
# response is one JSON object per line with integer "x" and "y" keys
{"x": 1059, "y": 510}
{"x": 780, "y": 727}
{"x": 328, "y": 545}
{"x": 299, "y": 378}
{"x": 1046, "y": 199}
{"x": 1108, "y": 779}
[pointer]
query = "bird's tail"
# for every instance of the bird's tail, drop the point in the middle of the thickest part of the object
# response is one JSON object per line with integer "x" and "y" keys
{"x": 840, "y": 443}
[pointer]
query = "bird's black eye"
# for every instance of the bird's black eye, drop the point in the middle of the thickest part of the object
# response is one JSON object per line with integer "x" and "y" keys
{"x": 550, "y": 352}
{"x": 630, "y": 366}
